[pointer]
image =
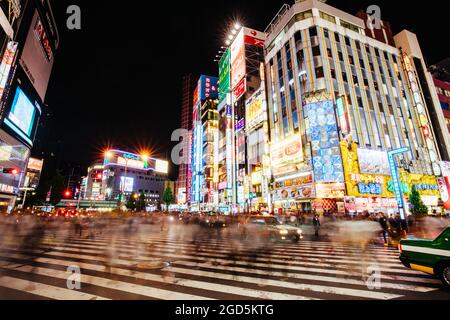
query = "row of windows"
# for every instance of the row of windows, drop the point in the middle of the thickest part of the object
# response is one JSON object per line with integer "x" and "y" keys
{"x": 384, "y": 76}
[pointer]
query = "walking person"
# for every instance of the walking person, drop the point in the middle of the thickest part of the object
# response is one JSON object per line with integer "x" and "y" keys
{"x": 385, "y": 227}
{"x": 316, "y": 224}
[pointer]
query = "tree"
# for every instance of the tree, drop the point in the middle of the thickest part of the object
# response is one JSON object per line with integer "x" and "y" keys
{"x": 168, "y": 196}
{"x": 418, "y": 207}
{"x": 132, "y": 203}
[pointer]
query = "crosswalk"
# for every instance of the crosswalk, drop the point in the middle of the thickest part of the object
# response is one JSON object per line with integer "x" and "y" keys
{"x": 161, "y": 266}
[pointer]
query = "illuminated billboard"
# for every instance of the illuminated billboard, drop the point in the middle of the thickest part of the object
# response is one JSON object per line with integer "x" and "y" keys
{"x": 237, "y": 57}
{"x": 237, "y": 52}
{"x": 23, "y": 116}
{"x": 126, "y": 184}
{"x": 37, "y": 56}
{"x": 255, "y": 109}
{"x": 35, "y": 164}
{"x": 207, "y": 88}
{"x": 323, "y": 133}
{"x": 5, "y": 67}
{"x": 373, "y": 162}
{"x": 224, "y": 75}
{"x": 289, "y": 150}
{"x": 161, "y": 166}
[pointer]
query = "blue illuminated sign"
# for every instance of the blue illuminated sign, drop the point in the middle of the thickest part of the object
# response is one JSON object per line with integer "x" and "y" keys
{"x": 371, "y": 188}
{"x": 208, "y": 88}
{"x": 323, "y": 133}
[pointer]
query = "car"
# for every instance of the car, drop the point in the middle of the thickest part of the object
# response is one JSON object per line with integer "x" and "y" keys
{"x": 429, "y": 256}
{"x": 269, "y": 227}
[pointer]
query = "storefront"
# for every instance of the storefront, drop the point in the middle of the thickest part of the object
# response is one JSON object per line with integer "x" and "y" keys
{"x": 294, "y": 192}
{"x": 370, "y": 187}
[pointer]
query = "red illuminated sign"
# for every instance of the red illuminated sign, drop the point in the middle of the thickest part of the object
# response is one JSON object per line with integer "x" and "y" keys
{"x": 42, "y": 37}
{"x": 240, "y": 89}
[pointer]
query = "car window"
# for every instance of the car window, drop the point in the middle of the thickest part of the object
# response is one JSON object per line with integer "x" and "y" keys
{"x": 257, "y": 221}
{"x": 272, "y": 221}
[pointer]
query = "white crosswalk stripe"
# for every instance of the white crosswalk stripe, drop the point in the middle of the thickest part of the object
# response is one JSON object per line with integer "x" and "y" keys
{"x": 207, "y": 269}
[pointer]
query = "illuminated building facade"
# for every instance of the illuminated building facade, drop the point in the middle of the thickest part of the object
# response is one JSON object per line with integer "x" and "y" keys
{"x": 338, "y": 100}
{"x": 126, "y": 173}
{"x": 243, "y": 146}
{"x": 204, "y": 143}
{"x": 28, "y": 40}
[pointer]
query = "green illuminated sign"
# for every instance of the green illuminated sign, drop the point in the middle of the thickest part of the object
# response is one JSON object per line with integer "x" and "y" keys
{"x": 224, "y": 75}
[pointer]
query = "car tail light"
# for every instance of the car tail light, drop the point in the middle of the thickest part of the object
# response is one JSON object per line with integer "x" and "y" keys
{"x": 400, "y": 249}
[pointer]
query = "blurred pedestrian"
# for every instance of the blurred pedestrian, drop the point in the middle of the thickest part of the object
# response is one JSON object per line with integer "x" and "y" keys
{"x": 316, "y": 224}
{"x": 385, "y": 227}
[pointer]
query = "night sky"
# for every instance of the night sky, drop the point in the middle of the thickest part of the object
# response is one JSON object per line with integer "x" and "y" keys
{"x": 117, "y": 81}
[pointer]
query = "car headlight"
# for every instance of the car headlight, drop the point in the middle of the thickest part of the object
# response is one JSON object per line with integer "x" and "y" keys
{"x": 299, "y": 231}
{"x": 284, "y": 232}
{"x": 171, "y": 218}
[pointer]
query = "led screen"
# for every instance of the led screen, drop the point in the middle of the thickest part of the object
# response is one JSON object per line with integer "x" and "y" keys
{"x": 22, "y": 115}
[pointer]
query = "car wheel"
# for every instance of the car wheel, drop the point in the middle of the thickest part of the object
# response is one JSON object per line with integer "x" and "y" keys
{"x": 296, "y": 239}
{"x": 444, "y": 274}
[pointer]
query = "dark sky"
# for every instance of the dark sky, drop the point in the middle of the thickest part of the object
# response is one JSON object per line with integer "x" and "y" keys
{"x": 117, "y": 81}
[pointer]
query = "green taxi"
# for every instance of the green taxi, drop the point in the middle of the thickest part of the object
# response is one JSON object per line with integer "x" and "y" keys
{"x": 429, "y": 256}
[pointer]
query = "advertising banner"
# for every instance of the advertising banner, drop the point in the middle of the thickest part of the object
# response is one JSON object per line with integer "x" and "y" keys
{"x": 37, "y": 57}
{"x": 5, "y": 67}
{"x": 373, "y": 162}
{"x": 240, "y": 89}
{"x": 224, "y": 75}
{"x": 254, "y": 37}
{"x": 255, "y": 109}
{"x": 237, "y": 57}
{"x": 301, "y": 192}
{"x": 35, "y": 164}
{"x": 288, "y": 150}
{"x": 327, "y": 161}
{"x": 342, "y": 113}
{"x": 330, "y": 190}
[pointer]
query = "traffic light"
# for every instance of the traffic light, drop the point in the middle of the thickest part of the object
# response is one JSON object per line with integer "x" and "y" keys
{"x": 13, "y": 171}
{"x": 67, "y": 194}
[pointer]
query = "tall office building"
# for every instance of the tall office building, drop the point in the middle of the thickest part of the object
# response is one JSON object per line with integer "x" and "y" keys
{"x": 243, "y": 161}
{"x": 204, "y": 142}
{"x": 338, "y": 101}
{"x": 28, "y": 40}
{"x": 182, "y": 191}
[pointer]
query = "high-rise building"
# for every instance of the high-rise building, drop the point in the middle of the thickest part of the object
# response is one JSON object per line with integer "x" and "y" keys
{"x": 28, "y": 41}
{"x": 204, "y": 130}
{"x": 243, "y": 147}
{"x": 182, "y": 191}
{"x": 338, "y": 101}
